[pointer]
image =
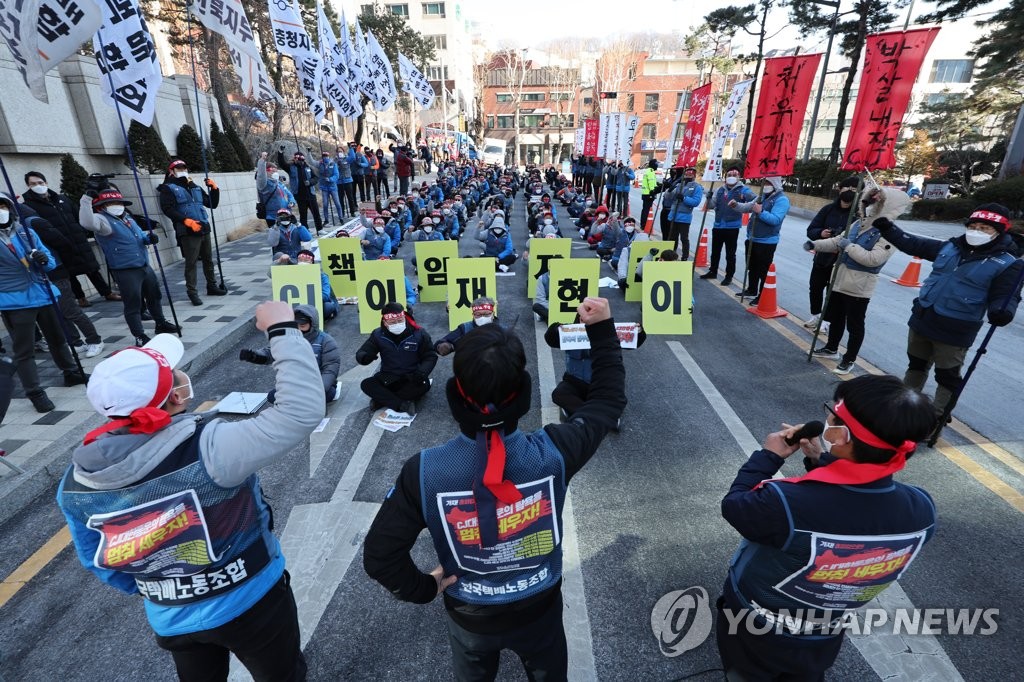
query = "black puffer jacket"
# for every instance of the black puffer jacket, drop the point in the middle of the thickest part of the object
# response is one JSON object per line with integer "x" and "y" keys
{"x": 62, "y": 215}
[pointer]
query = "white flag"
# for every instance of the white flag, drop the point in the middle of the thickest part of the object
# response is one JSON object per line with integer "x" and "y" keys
{"x": 42, "y": 33}
{"x": 291, "y": 39}
{"x": 381, "y": 73}
{"x": 355, "y": 68}
{"x": 627, "y": 133}
{"x": 335, "y": 69}
{"x": 713, "y": 171}
{"x": 366, "y": 83}
{"x": 414, "y": 82}
{"x": 227, "y": 17}
{"x": 124, "y": 50}
{"x": 578, "y": 146}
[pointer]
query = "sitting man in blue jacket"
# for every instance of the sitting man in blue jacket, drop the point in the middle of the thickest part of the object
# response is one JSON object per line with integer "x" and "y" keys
{"x": 769, "y": 211}
{"x": 286, "y": 237}
{"x": 498, "y": 244}
{"x": 407, "y": 357}
{"x": 728, "y": 221}
{"x": 375, "y": 242}
{"x": 483, "y": 313}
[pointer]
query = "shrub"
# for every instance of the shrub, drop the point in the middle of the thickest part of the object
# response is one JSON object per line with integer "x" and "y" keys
{"x": 148, "y": 149}
{"x": 244, "y": 157}
{"x": 72, "y": 177}
{"x": 190, "y": 148}
{"x": 1009, "y": 193}
{"x": 946, "y": 210}
{"x": 224, "y": 154}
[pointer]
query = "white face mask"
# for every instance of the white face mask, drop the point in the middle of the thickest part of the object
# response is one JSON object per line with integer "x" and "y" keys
{"x": 428, "y": 228}
{"x": 181, "y": 174}
{"x": 630, "y": 228}
{"x": 978, "y": 237}
{"x": 768, "y": 189}
{"x": 548, "y": 221}
{"x": 396, "y": 329}
{"x": 435, "y": 220}
{"x": 5, "y": 216}
{"x": 731, "y": 180}
{"x": 826, "y": 445}
{"x": 379, "y": 229}
{"x": 39, "y": 189}
{"x": 498, "y": 232}
{"x": 481, "y": 321}
{"x": 116, "y": 211}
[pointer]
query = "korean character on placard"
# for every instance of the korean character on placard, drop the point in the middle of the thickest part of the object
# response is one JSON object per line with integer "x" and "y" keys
{"x": 218, "y": 581}
{"x": 51, "y": 24}
{"x": 217, "y": 9}
{"x": 133, "y": 95}
{"x": 231, "y": 18}
{"x": 571, "y": 292}
{"x": 141, "y": 45}
{"x": 199, "y": 584}
{"x": 183, "y": 590}
{"x": 236, "y": 569}
{"x": 119, "y": 11}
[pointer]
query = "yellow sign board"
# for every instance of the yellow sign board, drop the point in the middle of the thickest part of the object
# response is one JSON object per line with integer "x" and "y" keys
{"x": 468, "y": 279}
{"x": 432, "y": 264}
{"x": 542, "y": 251}
{"x": 668, "y": 297}
{"x": 378, "y": 282}
{"x": 338, "y": 258}
{"x": 637, "y": 251}
{"x": 298, "y": 284}
{"x": 572, "y": 280}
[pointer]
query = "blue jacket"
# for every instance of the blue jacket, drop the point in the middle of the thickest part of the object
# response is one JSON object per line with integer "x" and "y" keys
{"x": 125, "y": 247}
{"x": 412, "y": 351}
{"x": 275, "y": 196}
{"x": 394, "y": 232}
{"x": 686, "y": 197}
{"x": 726, "y": 217}
{"x": 411, "y": 297}
{"x": 21, "y": 283}
{"x": 498, "y": 247}
{"x": 358, "y": 163}
{"x": 380, "y": 245}
{"x": 624, "y": 176}
{"x": 764, "y": 228}
{"x": 344, "y": 170}
{"x": 328, "y": 174}
{"x": 289, "y": 241}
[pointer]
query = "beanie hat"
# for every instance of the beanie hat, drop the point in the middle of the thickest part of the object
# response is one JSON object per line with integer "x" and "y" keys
{"x": 994, "y": 215}
{"x": 653, "y": 163}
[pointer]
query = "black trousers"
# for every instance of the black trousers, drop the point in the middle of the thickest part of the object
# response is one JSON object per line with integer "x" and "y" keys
{"x": 394, "y": 394}
{"x": 96, "y": 277}
{"x": 382, "y": 185}
{"x": 357, "y": 180}
{"x": 195, "y": 248}
{"x": 820, "y": 276}
{"x": 307, "y": 203}
{"x": 724, "y": 239}
{"x": 570, "y": 393}
{"x": 679, "y": 233}
{"x": 347, "y": 191}
{"x": 265, "y": 639}
{"x": 403, "y": 185}
{"x": 137, "y": 284}
{"x": 645, "y": 208}
{"x": 844, "y": 313}
{"x": 623, "y": 203}
{"x": 540, "y": 645}
{"x": 21, "y": 325}
{"x": 761, "y": 256}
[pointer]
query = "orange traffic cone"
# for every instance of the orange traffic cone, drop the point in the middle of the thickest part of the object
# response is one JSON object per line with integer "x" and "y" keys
{"x": 767, "y": 304}
{"x": 701, "y": 259}
{"x": 649, "y": 226}
{"x": 744, "y": 219}
{"x": 911, "y": 277}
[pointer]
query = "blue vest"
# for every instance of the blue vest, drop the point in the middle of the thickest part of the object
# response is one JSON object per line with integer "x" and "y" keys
{"x": 867, "y": 241}
{"x": 493, "y": 246}
{"x": 22, "y": 284}
{"x": 681, "y": 213}
{"x": 197, "y": 551}
{"x": 294, "y": 178}
{"x": 398, "y": 358}
{"x": 727, "y": 217}
{"x": 375, "y": 249}
{"x": 528, "y": 557}
{"x": 124, "y": 247}
{"x": 290, "y": 243}
{"x": 958, "y": 288}
{"x": 190, "y": 201}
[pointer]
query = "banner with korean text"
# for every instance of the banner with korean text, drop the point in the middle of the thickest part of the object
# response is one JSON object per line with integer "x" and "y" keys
{"x": 713, "y": 170}
{"x": 693, "y": 134}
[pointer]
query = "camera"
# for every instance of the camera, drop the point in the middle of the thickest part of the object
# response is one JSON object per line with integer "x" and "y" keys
{"x": 97, "y": 182}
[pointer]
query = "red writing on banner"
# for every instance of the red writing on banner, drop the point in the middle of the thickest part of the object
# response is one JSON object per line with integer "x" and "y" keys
{"x": 785, "y": 89}
{"x": 693, "y": 136}
{"x": 891, "y": 65}
{"x": 591, "y": 131}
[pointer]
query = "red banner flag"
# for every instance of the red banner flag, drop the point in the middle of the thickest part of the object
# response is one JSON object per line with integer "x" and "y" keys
{"x": 591, "y": 132}
{"x": 700, "y": 102}
{"x": 785, "y": 89}
{"x": 891, "y": 63}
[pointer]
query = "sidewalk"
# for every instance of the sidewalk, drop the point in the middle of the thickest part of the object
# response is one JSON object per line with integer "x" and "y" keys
{"x": 41, "y": 443}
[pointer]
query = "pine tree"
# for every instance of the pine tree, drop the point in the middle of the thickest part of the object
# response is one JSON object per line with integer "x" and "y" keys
{"x": 224, "y": 158}
{"x": 190, "y": 148}
{"x": 148, "y": 149}
{"x": 243, "y": 155}
{"x": 72, "y": 177}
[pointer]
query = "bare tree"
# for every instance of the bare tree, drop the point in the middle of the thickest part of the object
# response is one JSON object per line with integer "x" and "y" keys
{"x": 618, "y": 62}
{"x": 515, "y": 66}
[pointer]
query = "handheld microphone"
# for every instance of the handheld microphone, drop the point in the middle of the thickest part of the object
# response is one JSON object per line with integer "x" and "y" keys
{"x": 808, "y": 430}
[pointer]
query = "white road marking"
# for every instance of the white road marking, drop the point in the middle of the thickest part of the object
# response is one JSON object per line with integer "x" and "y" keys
{"x": 351, "y": 400}
{"x": 917, "y": 657}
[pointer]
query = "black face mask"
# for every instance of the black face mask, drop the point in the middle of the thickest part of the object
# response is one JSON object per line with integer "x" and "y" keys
{"x": 847, "y": 196}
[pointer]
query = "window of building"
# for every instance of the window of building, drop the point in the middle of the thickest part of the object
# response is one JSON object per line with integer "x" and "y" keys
{"x": 645, "y": 158}
{"x": 533, "y": 96}
{"x": 440, "y": 42}
{"x": 400, "y": 10}
{"x": 503, "y": 97}
{"x": 560, "y": 96}
{"x": 630, "y": 101}
{"x": 433, "y": 9}
{"x": 366, "y": 9}
{"x": 506, "y": 122}
{"x": 651, "y": 102}
{"x": 435, "y": 73}
{"x": 562, "y": 120}
{"x": 531, "y": 120}
{"x": 490, "y": 120}
{"x": 942, "y": 97}
{"x": 683, "y": 100}
{"x": 649, "y": 131}
{"x": 952, "y": 71}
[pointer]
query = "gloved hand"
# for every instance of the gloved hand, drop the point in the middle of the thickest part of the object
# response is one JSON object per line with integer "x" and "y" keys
{"x": 39, "y": 258}
{"x": 153, "y": 238}
{"x": 882, "y": 224}
{"x": 210, "y": 183}
{"x": 247, "y": 355}
{"x": 444, "y": 348}
{"x": 418, "y": 377}
{"x": 1000, "y": 318}
{"x": 843, "y": 243}
{"x": 808, "y": 245}
{"x": 193, "y": 225}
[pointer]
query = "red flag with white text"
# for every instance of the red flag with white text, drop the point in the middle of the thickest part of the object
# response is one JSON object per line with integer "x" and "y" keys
{"x": 891, "y": 63}
{"x": 693, "y": 136}
{"x": 785, "y": 89}
{"x": 591, "y": 132}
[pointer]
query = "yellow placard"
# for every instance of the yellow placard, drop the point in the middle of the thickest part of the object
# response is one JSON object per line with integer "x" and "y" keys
{"x": 432, "y": 265}
{"x": 542, "y": 251}
{"x": 295, "y": 284}
{"x": 668, "y": 297}
{"x": 468, "y": 279}
{"x": 636, "y": 252}
{"x": 338, "y": 258}
{"x": 572, "y": 280}
{"x": 378, "y": 282}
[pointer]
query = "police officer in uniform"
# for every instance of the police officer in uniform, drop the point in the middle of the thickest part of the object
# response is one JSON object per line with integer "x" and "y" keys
{"x": 166, "y": 505}
{"x": 499, "y": 544}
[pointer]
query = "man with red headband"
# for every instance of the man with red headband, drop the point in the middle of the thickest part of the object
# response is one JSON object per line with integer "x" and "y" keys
{"x": 407, "y": 357}
{"x": 169, "y": 506}
{"x": 823, "y": 544}
{"x": 974, "y": 275}
{"x": 483, "y": 313}
{"x": 492, "y": 499}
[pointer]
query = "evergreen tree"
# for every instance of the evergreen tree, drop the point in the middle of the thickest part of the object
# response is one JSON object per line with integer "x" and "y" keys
{"x": 148, "y": 149}
{"x": 72, "y": 177}
{"x": 190, "y": 148}
{"x": 243, "y": 155}
{"x": 224, "y": 158}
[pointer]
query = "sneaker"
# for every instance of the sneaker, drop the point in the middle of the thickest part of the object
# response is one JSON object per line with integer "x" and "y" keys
{"x": 710, "y": 274}
{"x": 84, "y": 303}
{"x": 755, "y": 300}
{"x": 42, "y": 346}
{"x": 746, "y": 293}
{"x": 194, "y": 299}
{"x": 75, "y": 378}
{"x": 813, "y": 322}
{"x": 825, "y": 352}
{"x": 141, "y": 340}
{"x": 167, "y": 327}
{"x": 503, "y": 267}
{"x": 42, "y": 403}
{"x": 93, "y": 349}
{"x": 727, "y": 281}
{"x": 216, "y": 291}
{"x": 409, "y": 407}
{"x": 844, "y": 367}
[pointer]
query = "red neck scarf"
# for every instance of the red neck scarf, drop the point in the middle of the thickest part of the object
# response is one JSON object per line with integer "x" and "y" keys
{"x": 846, "y": 472}
{"x": 494, "y": 471}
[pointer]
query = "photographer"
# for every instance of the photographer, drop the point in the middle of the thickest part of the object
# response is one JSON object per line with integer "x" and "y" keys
{"x": 185, "y": 203}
